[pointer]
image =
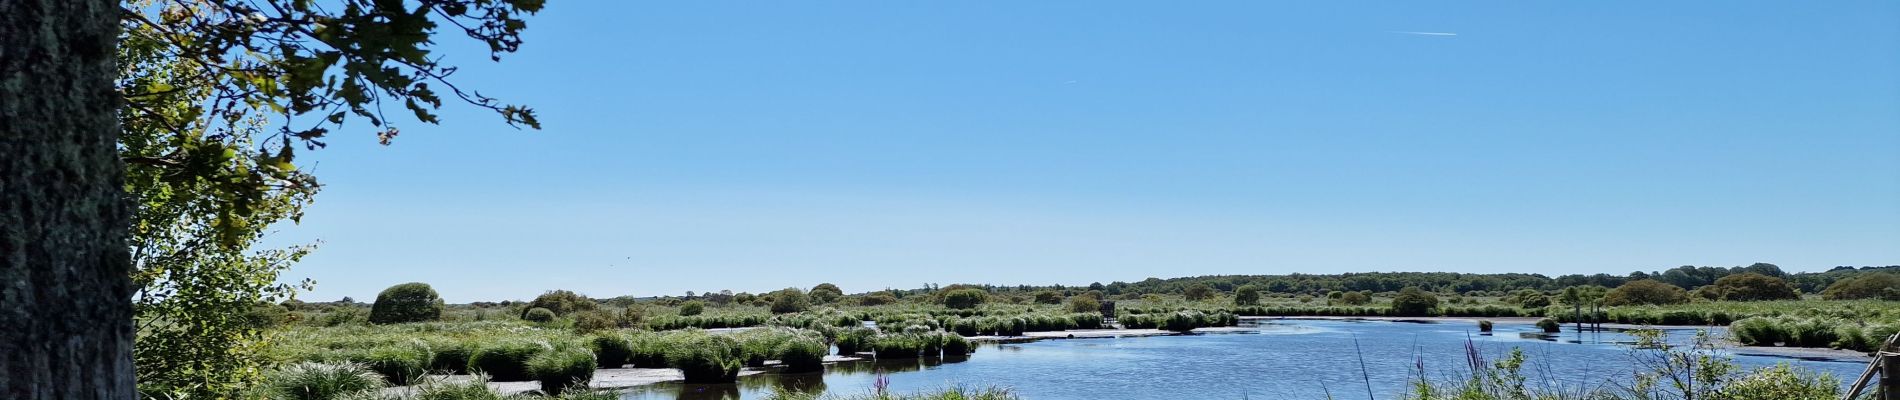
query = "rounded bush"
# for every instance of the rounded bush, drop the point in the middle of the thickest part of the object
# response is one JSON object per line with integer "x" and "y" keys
{"x": 505, "y": 360}
{"x": 955, "y": 345}
{"x": 408, "y": 302}
{"x": 562, "y": 302}
{"x": 1876, "y": 285}
{"x": 611, "y": 350}
{"x": 1549, "y": 325}
{"x": 561, "y": 368}
{"x": 538, "y": 314}
{"x": 692, "y": 308}
{"x": 964, "y": 299}
{"x": 1413, "y": 302}
{"x": 594, "y": 320}
{"x": 1646, "y": 291}
{"x": 789, "y": 300}
{"x": 803, "y": 354}
{"x": 704, "y": 358}
{"x": 321, "y": 381}
{"x": 1246, "y": 295}
{"x": 1084, "y": 304}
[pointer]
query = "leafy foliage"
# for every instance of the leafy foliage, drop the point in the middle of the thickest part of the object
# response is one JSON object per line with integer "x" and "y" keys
{"x": 789, "y": 300}
{"x": 1246, "y": 295}
{"x": 562, "y": 302}
{"x": 1884, "y": 286}
{"x": 1413, "y": 302}
{"x": 1549, "y": 325}
{"x": 825, "y": 293}
{"x": 1646, "y": 291}
{"x": 1084, "y": 304}
{"x": 200, "y": 82}
{"x": 408, "y": 302}
{"x": 1198, "y": 292}
{"x": 1750, "y": 286}
{"x": 965, "y": 298}
{"x": 538, "y": 314}
{"x": 692, "y": 308}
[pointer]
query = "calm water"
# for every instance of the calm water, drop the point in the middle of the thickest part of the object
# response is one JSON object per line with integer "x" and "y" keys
{"x": 1291, "y": 359}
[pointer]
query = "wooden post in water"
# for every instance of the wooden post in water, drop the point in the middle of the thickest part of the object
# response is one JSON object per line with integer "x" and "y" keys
{"x": 1890, "y": 373}
{"x": 1886, "y": 363}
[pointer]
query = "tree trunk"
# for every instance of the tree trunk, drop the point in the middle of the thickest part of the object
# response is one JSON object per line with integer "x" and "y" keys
{"x": 65, "y": 288}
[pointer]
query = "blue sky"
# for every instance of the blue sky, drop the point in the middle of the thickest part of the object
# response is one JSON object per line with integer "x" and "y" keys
{"x": 758, "y": 145}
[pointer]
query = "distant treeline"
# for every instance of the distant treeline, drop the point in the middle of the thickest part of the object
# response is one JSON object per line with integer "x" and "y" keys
{"x": 1686, "y": 277}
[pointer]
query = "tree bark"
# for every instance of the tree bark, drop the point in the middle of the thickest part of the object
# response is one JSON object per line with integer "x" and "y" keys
{"x": 65, "y": 288}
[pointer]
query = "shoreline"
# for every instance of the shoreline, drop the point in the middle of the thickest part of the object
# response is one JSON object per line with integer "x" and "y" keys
{"x": 630, "y": 378}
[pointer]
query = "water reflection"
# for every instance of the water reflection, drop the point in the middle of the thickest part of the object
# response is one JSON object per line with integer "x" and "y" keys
{"x": 1292, "y": 359}
{"x": 772, "y": 381}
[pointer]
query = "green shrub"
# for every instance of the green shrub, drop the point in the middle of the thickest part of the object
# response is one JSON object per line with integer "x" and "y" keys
{"x": 450, "y": 356}
{"x": 562, "y": 367}
{"x": 1758, "y": 331}
{"x": 965, "y": 298}
{"x": 1182, "y": 321}
{"x": 648, "y": 350}
{"x": 408, "y": 302}
{"x": 1048, "y": 297}
{"x": 955, "y": 345}
{"x": 877, "y": 299}
{"x": 803, "y": 354}
{"x": 825, "y": 293}
{"x": 594, "y": 320}
{"x": 1246, "y": 295}
{"x": 1879, "y": 285}
{"x": 562, "y": 302}
{"x": 898, "y": 346}
{"x": 1549, "y": 325}
{"x": 1812, "y": 332}
{"x": 1781, "y": 382}
{"x": 789, "y": 300}
{"x": 400, "y": 364}
{"x": 321, "y": 381}
{"x": 611, "y": 349}
{"x": 505, "y": 360}
{"x": 705, "y": 358}
{"x": 1198, "y": 292}
{"x": 1084, "y": 304}
{"x": 1852, "y": 337}
{"x": 1750, "y": 286}
{"x": 850, "y": 341}
{"x": 538, "y": 314}
{"x": 692, "y": 308}
{"x": 1354, "y": 298}
{"x": 1413, "y": 302}
{"x": 1646, "y": 291}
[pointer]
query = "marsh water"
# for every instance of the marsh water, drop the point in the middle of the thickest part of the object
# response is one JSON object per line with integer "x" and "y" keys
{"x": 1290, "y": 359}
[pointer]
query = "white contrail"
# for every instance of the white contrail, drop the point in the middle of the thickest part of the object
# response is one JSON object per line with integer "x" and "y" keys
{"x": 1425, "y": 33}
